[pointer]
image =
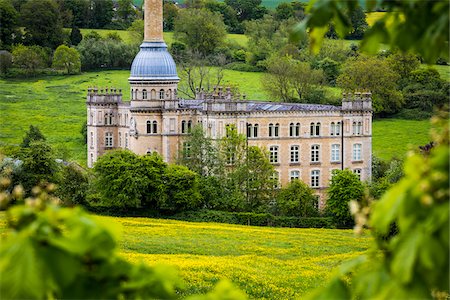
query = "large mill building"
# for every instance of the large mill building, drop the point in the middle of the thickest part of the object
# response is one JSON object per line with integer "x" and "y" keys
{"x": 305, "y": 141}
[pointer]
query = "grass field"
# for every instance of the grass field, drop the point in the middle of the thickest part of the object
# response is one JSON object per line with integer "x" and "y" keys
{"x": 56, "y": 104}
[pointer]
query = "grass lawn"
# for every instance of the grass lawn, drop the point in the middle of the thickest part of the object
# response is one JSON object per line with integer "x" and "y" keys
{"x": 267, "y": 263}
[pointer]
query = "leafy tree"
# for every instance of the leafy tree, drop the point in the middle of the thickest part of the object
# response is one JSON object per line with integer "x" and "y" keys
{"x": 68, "y": 59}
{"x": 331, "y": 70}
{"x": 170, "y": 13}
{"x": 403, "y": 64}
{"x": 126, "y": 12}
{"x": 136, "y": 31}
{"x": 247, "y": 9}
{"x": 32, "y": 135}
{"x": 9, "y": 29}
{"x": 128, "y": 180}
{"x": 42, "y": 23}
{"x": 39, "y": 165}
{"x": 27, "y": 58}
{"x": 304, "y": 81}
{"x": 375, "y": 75}
{"x": 5, "y": 61}
{"x": 358, "y": 23}
{"x": 200, "y": 29}
{"x": 202, "y": 156}
{"x": 344, "y": 187}
{"x": 75, "y": 36}
{"x": 101, "y": 13}
{"x": 78, "y": 12}
{"x": 74, "y": 185}
{"x": 297, "y": 199}
{"x": 277, "y": 80}
{"x": 408, "y": 27}
{"x": 254, "y": 179}
{"x": 182, "y": 189}
{"x": 228, "y": 14}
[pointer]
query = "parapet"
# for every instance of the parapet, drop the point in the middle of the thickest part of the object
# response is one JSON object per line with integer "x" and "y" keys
{"x": 107, "y": 95}
{"x": 357, "y": 101}
{"x": 218, "y": 94}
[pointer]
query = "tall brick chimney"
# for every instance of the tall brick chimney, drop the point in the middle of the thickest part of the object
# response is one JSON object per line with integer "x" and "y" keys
{"x": 153, "y": 21}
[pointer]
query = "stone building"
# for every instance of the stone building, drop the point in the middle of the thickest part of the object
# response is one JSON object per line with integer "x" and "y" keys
{"x": 305, "y": 141}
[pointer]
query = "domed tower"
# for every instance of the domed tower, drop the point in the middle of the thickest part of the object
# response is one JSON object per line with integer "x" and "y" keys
{"x": 154, "y": 76}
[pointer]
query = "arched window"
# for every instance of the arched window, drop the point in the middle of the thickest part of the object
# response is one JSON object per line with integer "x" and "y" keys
{"x": 161, "y": 94}
{"x": 277, "y": 129}
{"x": 311, "y": 129}
{"x": 291, "y": 129}
{"x": 106, "y": 119}
{"x": 249, "y": 130}
{"x": 271, "y": 131}
{"x": 135, "y": 94}
{"x": 183, "y": 126}
{"x": 332, "y": 128}
{"x": 354, "y": 128}
{"x": 169, "y": 93}
{"x": 153, "y": 94}
{"x": 110, "y": 119}
{"x": 318, "y": 129}
{"x": 155, "y": 127}
{"x": 255, "y": 130}
{"x": 359, "y": 128}
{"x": 144, "y": 94}
{"x": 132, "y": 94}
{"x": 126, "y": 140}
{"x": 149, "y": 127}
{"x": 189, "y": 126}
{"x": 297, "y": 129}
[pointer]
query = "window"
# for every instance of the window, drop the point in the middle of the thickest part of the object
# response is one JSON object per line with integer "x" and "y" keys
{"x": 273, "y": 157}
{"x": 275, "y": 177}
{"x": 315, "y": 153}
{"x": 315, "y": 178}
{"x": 149, "y": 127}
{"x": 358, "y": 173}
{"x": 106, "y": 119}
{"x": 144, "y": 94}
{"x": 335, "y": 152}
{"x": 161, "y": 94}
{"x": 132, "y": 94}
{"x": 271, "y": 130}
{"x": 108, "y": 139}
{"x": 294, "y": 175}
{"x": 92, "y": 159}
{"x": 295, "y": 154}
{"x": 335, "y": 128}
{"x": 255, "y": 130}
{"x": 186, "y": 150}
{"x": 120, "y": 139}
{"x": 92, "y": 139}
{"x": 183, "y": 126}
{"x": 357, "y": 152}
{"x": 294, "y": 129}
{"x": 155, "y": 127}
{"x": 252, "y": 130}
{"x": 249, "y": 130}
{"x": 277, "y": 129}
{"x": 126, "y": 140}
{"x": 315, "y": 129}
{"x": 357, "y": 128}
{"x": 189, "y": 126}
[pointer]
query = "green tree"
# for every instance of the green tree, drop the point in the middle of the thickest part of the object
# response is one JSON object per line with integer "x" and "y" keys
{"x": 39, "y": 165}
{"x": 345, "y": 186}
{"x": 126, "y": 12}
{"x": 200, "y": 29}
{"x": 9, "y": 29}
{"x": 403, "y": 64}
{"x": 358, "y": 23}
{"x": 125, "y": 179}
{"x": 247, "y": 9}
{"x": 297, "y": 199}
{"x": 42, "y": 23}
{"x": 75, "y": 36}
{"x": 68, "y": 59}
{"x": 32, "y": 135}
{"x": 136, "y": 31}
{"x": 374, "y": 75}
{"x": 27, "y": 58}
{"x": 101, "y": 13}
{"x": 182, "y": 189}
{"x": 331, "y": 70}
{"x": 5, "y": 61}
{"x": 73, "y": 186}
{"x": 228, "y": 14}
{"x": 276, "y": 82}
{"x": 170, "y": 13}
{"x": 78, "y": 12}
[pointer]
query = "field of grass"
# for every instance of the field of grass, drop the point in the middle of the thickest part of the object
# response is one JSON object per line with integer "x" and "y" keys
{"x": 267, "y": 263}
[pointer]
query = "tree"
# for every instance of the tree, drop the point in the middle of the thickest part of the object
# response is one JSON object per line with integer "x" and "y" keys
{"x": 126, "y": 12}
{"x": 199, "y": 153}
{"x": 331, "y": 70}
{"x": 73, "y": 186}
{"x": 247, "y": 9}
{"x": 344, "y": 187}
{"x": 358, "y": 23}
{"x": 136, "y": 31}
{"x": 78, "y": 12}
{"x": 420, "y": 27}
{"x": 200, "y": 29}
{"x": 170, "y": 13}
{"x": 68, "y": 59}
{"x": 42, "y": 23}
{"x": 182, "y": 189}
{"x": 25, "y": 57}
{"x": 75, "y": 36}
{"x": 228, "y": 14}
{"x": 276, "y": 82}
{"x": 9, "y": 29}
{"x": 32, "y": 135}
{"x": 39, "y": 165}
{"x": 5, "y": 61}
{"x": 403, "y": 63}
{"x": 101, "y": 13}
{"x": 374, "y": 75}
{"x": 304, "y": 81}
{"x": 125, "y": 179}
{"x": 297, "y": 199}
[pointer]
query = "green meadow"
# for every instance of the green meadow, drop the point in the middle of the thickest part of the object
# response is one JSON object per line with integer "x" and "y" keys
{"x": 265, "y": 262}
{"x": 56, "y": 104}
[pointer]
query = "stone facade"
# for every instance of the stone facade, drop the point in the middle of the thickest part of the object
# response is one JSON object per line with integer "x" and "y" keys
{"x": 306, "y": 141}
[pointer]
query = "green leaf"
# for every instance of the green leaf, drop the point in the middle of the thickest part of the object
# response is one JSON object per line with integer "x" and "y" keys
{"x": 405, "y": 256}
